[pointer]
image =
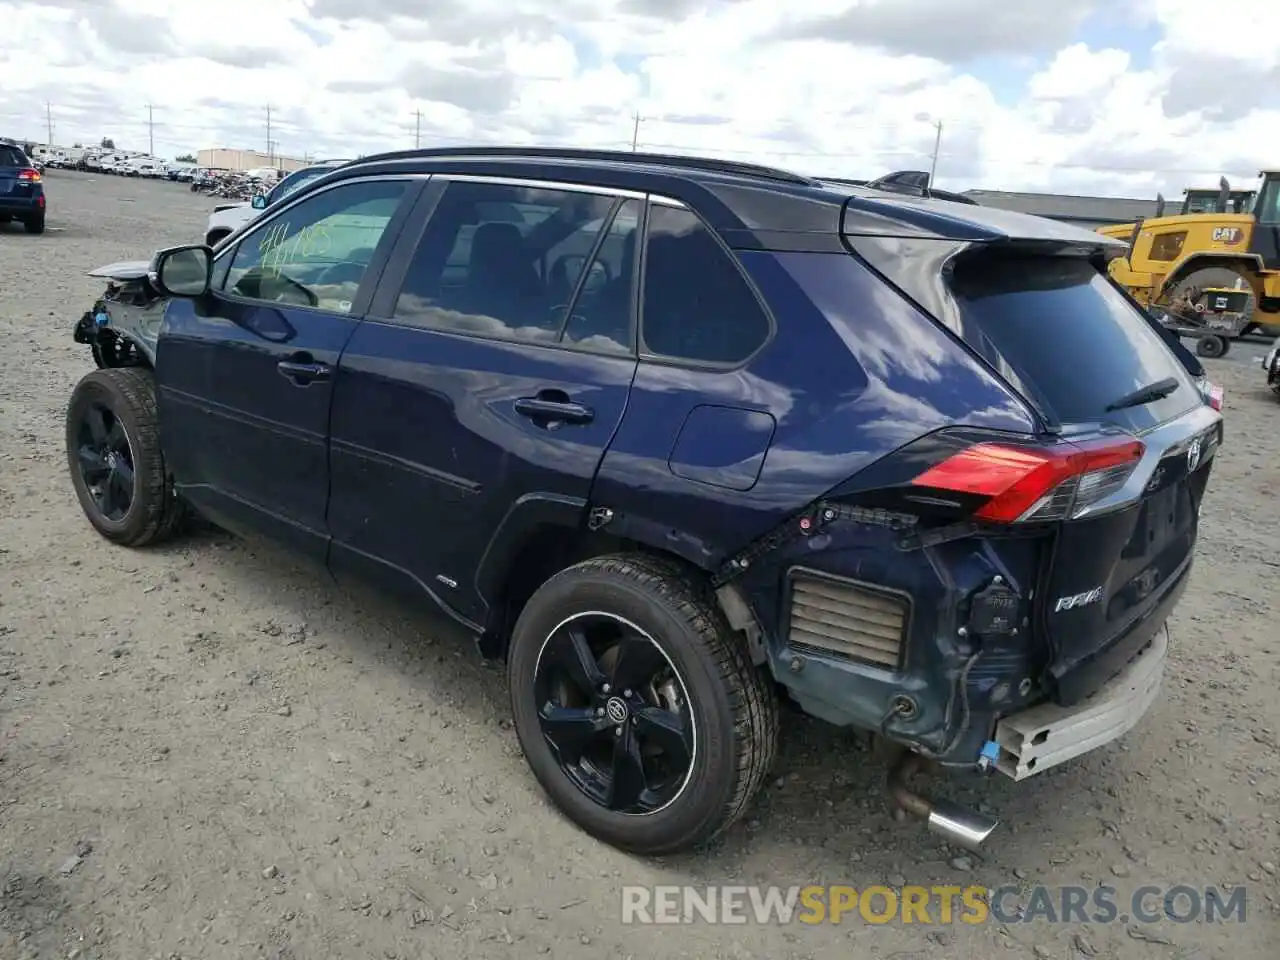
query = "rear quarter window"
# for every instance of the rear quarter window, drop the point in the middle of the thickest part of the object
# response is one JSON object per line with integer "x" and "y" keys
{"x": 1058, "y": 330}
{"x": 12, "y": 157}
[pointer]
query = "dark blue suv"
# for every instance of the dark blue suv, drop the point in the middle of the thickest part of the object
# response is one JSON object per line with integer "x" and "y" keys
{"x": 21, "y": 188}
{"x": 683, "y": 440}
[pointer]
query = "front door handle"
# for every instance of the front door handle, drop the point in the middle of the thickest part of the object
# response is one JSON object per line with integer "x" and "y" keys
{"x": 301, "y": 374}
{"x": 554, "y": 411}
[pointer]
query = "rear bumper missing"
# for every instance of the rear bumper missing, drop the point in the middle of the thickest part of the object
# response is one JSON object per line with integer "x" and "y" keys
{"x": 1047, "y": 735}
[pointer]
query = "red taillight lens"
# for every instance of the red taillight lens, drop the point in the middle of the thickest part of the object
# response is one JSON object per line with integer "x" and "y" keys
{"x": 1214, "y": 394}
{"x": 1035, "y": 483}
{"x": 30, "y": 174}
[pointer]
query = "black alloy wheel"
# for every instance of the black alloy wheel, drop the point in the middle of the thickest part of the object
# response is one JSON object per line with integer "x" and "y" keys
{"x": 106, "y": 462}
{"x": 615, "y": 713}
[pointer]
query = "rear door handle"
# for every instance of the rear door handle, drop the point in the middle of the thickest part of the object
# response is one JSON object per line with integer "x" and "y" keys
{"x": 554, "y": 411}
{"x": 302, "y": 374}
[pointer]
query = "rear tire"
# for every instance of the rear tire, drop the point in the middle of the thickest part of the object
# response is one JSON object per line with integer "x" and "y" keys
{"x": 113, "y": 453}
{"x": 688, "y": 789}
{"x": 34, "y": 224}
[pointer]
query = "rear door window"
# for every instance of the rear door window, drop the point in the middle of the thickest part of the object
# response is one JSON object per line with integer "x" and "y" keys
{"x": 697, "y": 306}
{"x": 12, "y": 157}
{"x": 1063, "y": 335}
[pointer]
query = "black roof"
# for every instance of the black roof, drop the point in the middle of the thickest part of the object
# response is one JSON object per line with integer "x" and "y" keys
{"x": 738, "y": 198}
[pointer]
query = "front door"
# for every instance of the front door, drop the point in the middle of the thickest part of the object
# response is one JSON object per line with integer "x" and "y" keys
{"x": 481, "y": 392}
{"x": 245, "y": 375}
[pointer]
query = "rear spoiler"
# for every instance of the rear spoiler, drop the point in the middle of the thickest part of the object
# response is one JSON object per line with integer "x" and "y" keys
{"x": 913, "y": 183}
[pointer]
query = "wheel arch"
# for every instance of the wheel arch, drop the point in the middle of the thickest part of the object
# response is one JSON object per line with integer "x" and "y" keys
{"x": 1249, "y": 265}
{"x": 543, "y": 534}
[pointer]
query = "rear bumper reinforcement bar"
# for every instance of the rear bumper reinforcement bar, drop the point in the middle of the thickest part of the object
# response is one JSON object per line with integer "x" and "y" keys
{"x": 1044, "y": 736}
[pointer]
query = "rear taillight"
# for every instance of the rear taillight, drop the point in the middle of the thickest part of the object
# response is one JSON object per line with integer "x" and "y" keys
{"x": 31, "y": 175}
{"x": 1023, "y": 484}
{"x": 1213, "y": 394}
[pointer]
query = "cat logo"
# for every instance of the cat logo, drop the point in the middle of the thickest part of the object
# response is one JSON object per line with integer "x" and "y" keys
{"x": 1227, "y": 235}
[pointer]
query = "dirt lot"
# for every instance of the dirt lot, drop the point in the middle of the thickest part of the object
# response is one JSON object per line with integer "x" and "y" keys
{"x": 207, "y": 751}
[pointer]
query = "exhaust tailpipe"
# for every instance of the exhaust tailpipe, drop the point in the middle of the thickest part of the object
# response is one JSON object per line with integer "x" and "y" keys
{"x": 963, "y": 827}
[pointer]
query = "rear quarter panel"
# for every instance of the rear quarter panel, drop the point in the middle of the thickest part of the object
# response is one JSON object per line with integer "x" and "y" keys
{"x": 853, "y": 372}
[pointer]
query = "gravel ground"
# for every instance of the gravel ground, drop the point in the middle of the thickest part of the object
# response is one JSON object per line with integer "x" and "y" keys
{"x": 208, "y": 751}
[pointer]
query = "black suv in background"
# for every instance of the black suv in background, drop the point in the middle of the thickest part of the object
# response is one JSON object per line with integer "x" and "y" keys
{"x": 21, "y": 188}
{"x": 679, "y": 438}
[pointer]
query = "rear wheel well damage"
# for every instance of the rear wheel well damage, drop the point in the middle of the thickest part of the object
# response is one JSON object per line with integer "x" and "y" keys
{"x": 550, "y": 548}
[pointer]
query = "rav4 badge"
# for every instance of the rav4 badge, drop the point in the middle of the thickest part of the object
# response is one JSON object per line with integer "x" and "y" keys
{"x": 1078, "y": 600}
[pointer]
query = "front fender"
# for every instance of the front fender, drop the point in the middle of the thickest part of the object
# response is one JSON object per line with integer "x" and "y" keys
{"x": 130, "y": 310}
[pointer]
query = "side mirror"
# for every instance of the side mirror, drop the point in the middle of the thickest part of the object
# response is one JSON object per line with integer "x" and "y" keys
{"x": 183, "y": 271}
{"x": 259, "y": 201}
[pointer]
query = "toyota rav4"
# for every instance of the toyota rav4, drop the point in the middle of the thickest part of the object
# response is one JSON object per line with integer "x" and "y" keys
{"x": 682, "y": 440}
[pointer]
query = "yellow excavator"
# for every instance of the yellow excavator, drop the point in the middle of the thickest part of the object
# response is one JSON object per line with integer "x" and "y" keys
{"x": 1189, "y": 261}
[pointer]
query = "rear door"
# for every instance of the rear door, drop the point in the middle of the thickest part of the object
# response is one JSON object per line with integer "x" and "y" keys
{"x": 246, "y": 376}
{"x": 486, "y": 383}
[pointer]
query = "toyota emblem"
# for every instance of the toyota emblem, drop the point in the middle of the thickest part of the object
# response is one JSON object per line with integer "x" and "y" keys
{"x": 1193, "y": 455}
{"x": 616, "y": 709}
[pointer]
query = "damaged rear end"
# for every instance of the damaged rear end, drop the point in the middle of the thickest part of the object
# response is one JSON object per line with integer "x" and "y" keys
{"x": 988, "y": 599}
{"x": 122, "y": 326}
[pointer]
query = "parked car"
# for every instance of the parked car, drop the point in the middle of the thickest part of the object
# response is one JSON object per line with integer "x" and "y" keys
{"x": 229, "y": 217}
{"x": 678, "y": 439}
{"x": 1271, "y": 366}
{"x": 22, "y": 194}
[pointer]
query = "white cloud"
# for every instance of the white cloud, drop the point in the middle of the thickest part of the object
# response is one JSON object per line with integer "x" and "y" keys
{"x": 842, "y": 87}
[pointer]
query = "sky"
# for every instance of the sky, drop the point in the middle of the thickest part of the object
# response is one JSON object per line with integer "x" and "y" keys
{"x": 1108, "y": 97}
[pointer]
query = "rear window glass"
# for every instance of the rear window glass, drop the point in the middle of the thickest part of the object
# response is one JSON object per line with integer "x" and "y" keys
{"x": 1064, "y": 336}
{"x": 12, "y": 157}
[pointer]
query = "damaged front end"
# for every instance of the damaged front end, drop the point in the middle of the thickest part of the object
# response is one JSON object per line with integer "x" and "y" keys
{"x": 123, "y": 325}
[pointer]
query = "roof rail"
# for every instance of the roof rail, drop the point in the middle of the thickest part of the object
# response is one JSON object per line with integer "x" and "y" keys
{"x": 708, "y": 164}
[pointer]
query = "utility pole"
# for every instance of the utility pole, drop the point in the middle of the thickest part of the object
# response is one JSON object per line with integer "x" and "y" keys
{"x": 268, "y": 132}
{"x": 48, "y": 119}
{"x": 151, "y": 131}
{"x": 937, "y": 146}
{"x": 417, "y": 130}
{"x": 635, "y": 130}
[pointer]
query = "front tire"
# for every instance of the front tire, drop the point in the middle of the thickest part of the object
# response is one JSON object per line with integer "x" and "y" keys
{"x": 637, "y": 707}
{"x": 113, "y": 453}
